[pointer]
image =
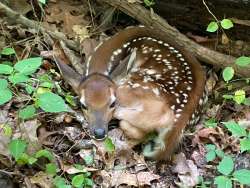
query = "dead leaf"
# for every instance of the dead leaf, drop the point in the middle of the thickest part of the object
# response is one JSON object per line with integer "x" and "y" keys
{"x": 145, "y": 178}
{"x": 42, "y": 179}
{"x": 211, "y": 81}
{"x": 224, "y": 39}
{"x": 28, "y": 130}
{"x": 123, "y": 177}
{"x": 21, "y": 6}
{"x": 187, "y": 171}
{"x": 88, "y": 45}
{"x": 81, "y": 32}
{"x": 72, "y": 170}
{"x": 204, "y": 133}
{"x": 68, "y": 14}
{"x": 72, "y": 133}
{"x": 102, "y": 178}
{"x": 4, "y": 141}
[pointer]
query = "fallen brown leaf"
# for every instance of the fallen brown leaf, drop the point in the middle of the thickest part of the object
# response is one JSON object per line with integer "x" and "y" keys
{"x": 187, "y": 171}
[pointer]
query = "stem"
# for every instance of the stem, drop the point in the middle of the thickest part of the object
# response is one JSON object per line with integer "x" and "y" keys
{"x": 210, "y": 11}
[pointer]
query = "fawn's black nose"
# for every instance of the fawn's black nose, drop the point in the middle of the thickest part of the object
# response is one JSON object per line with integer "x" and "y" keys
{"x": 99, "y": 133}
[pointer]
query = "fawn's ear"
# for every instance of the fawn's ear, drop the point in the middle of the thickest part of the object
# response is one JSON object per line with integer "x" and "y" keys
{"x": 70, "y": 76}
{"x": 124, "y": 67}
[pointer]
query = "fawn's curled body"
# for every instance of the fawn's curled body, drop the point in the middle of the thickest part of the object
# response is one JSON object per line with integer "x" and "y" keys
{"x": 161, "y": 91}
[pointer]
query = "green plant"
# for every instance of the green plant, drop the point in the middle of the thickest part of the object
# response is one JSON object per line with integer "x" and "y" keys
{"x": 21, "y": 75}
{"x": 228, "y": 73}
{"x": 215, "y": 25}
{"x": 149, "y": 3}
{"x": 241, "y": 133}
{"x": 6, "y": 129}
{"x": 109, "y": 146}
{"x": 226, "y": 173}
{"x": 211, "y": 123}
{"x": 239, "y": 97}
{"x": 203, "y": 184}
{"x": 82, "y": 180}
{"x": 6, "y": 93}
{"x": 243, "y": 61}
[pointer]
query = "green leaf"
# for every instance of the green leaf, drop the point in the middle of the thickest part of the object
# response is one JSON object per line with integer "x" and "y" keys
{"x": 235, "y": 128}
{"x": 212, "y": 27}
{"x": 228, "y": 73}
{"x": 226, "y": 24}
{"x": 211, "y": 123}
{"x": 60, "y": 182}
{"x": 219, "y": 153}
{"x": 51, "y": 102}
{"x": 18, "y": 78}
{"x": 51, "y": 168}
{"x": 228, "y": 96}
{"x": 28, "y": 66}
{"x": 32, "y": 160}
{"x": 5, "y": 95}
{"x": 242, "y": 176}
{"x": 29, "y": 89}
{"x": 210, "y": 147}
{"x": 70, "y": 99}
{"x": 5, "y": 69}
{"x": 47, "y": 85}
{"x": 108, "y": 145}
{"x": 89, "y": 159}
{"x": 3, "y": 84}
{"x": 245, "y": 144}
{"x": 243, "y": 61}
{"x": 226, "y": 165}
{"x": 44, "y": 153}
{"x": 17, "y": 147}
{"x": 247, "y": 101}
{"x": 23, "y": 159}
{"x": 7, "y": 130}
{"x": 42, "y": 90}
{"x": 27, "y": 112}
{"x": 239, "y": 96}
{"x": 89, "y": 182}
{"x": 149, "y": 3}
{"x": 223, "y": 182}
{"x": 8, "y": 51}
{"x": 78, "y": 180}
{"x": 26, "y": 159}
{"x": 42, "y": 1}
{"x": 210, "y": 156}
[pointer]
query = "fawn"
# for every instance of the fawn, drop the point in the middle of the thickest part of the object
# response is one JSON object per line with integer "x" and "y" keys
{"x": 159, "y": 88}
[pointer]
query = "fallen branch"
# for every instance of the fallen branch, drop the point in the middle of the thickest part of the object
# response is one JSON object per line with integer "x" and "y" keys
{"x": 203, "y": 54}
{"x": 20, "y": 19}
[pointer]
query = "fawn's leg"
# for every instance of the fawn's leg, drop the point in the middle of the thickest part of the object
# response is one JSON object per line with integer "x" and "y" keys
{"x": 131, "y": 131}
{"x": 169, "y": 139}
{"x": 134, "y": 135}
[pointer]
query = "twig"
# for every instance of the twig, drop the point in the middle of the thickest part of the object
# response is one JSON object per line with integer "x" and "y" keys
{"x": 240, "y": 22}
{"x": 210, "y": 11}
{"x": 18, "y": 18}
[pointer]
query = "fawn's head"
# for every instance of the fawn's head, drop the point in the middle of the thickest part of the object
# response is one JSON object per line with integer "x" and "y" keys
{"x": 97, "y": 97}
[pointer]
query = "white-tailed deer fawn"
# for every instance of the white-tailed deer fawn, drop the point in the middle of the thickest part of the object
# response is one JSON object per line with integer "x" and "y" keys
{"x": 161, "y": 91}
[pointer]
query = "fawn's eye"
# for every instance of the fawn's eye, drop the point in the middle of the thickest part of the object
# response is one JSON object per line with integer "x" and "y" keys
{"x": 112, "y": 105}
